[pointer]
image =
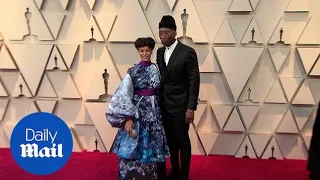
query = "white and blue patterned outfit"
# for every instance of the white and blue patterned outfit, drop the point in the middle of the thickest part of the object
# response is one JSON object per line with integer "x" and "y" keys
{"x": 137, "y": 98}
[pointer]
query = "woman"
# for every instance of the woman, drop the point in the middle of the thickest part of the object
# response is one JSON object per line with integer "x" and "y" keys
{"x": 134, "y": 108}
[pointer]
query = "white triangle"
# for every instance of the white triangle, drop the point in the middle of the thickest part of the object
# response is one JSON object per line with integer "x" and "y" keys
{"x": 316, "y": 69}
{"x": 297, "y": 6}
{"x": 304, "y": 95}
{"x": 25, "y": 89}
{"x": 248, "y": 114}
{"x": 70, "y": 89}
{"x": 221, "y": 113}
{"x": 91, "y": 3}
{"x": 314, "y": 84}
{"x": 276, "y": 152}
{"x": 239, "y": 25}
{"x": 208, "y": 140}
{"x": 97, "y": 113}
{"x": 246, "y": 59}
{"x": 310, "y": 34}
{"x": 3, "y": 92}
{"x": 278, "y": 55}
{"x": 83, "y": 116}
{"x": 100, "y": 145}
{"x": 97, "y": 86}
{"x": 64, "y": 3}
{"x": 242, "y": 150}
{"x": 196, "y": 146}
{"x": 9, "y": 80}
{"x": 54, "y": 22}
{"x": 39, "y": 3}
{"x": 76, "y": 146}
{"x": 60, "y": 63}
{"x": 199, "y": 113}
{"x": 225, "y": 34}
{"x": 227, "y": 144}
{"x": 172, "y": 3}
{"x": 96, "y": 31}
{"x": 144, "y": 3}
{"x": 290, "y": 86}
{"x": 307, "y": 140}
{"x": 207, "y": 122}
{"x": 287, "y": 124}
{"x": 249, "y": 89}
{"x": 3, "y": 107}
{"x": 86, "y": 136}
{"x": 275, "y": 95}
{"x": 254, "y": 3}
{"x": 259, "y": 142}
{"x": 298, "y": 151}
{"x": 240, "y": 5}
{"x": 31, "y": 55}
{"x": 257, "y": 34}
{"x": 6, "y": 61}
{"x": 46, "y": 90}
{"x": 234, "y": 123}
{"x": 301, "y": 115}
{"x": 46, "y": 105}
{"x": 286, "y": 142}
{"x": 68, "y": 52}
{"x": 210, "y": 64}
{"x": 138, "y": 24}
{"x": 105, "y": 22}
{"x": 308, "y": 57}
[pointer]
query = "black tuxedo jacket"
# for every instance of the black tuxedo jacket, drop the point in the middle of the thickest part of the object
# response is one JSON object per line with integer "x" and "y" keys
{"x": 314, "y": 149}
{"x": 180, "y": 79}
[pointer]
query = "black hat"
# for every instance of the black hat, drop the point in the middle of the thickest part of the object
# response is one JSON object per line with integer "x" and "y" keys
{"x": 168, "y": 21}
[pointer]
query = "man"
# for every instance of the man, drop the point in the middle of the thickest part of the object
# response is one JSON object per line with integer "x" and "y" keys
{"x": 180, "y": 81}
{"x": 314, "y": 149}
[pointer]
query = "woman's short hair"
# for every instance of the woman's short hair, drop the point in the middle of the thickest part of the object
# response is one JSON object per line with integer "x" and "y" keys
{"x": 145, "y": 41}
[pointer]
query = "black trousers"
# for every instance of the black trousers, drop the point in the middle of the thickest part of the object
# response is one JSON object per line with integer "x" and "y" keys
{"x": 177, "y": 133}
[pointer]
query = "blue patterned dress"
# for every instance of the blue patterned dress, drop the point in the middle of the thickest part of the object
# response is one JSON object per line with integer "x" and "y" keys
{"x": 137, "y": 98}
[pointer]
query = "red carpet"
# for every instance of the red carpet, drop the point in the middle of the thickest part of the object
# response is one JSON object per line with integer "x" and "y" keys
{"x": 92, "y": 166}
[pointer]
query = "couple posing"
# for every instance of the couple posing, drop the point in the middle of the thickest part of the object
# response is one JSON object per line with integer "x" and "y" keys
{"x": 153, "y": 108}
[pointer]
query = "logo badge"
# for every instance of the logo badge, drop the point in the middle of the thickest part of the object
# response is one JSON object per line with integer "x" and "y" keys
{"x": 41, "y": 143}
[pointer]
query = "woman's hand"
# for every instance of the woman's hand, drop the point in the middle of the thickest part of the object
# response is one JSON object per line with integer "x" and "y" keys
{"x": 128, "y": 126}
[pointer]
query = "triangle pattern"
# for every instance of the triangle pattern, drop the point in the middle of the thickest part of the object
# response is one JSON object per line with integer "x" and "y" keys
{"x": 70, "y": 89}
{"x": 225, "y": 34}
{"x": 297, "y": 6}
{"x": 39, "y": 3}
{"x": 37, "y": 57}
{"x": 249, "y": 94}
{"x": 248, "y": 114}
{"x": 55, "y": 22}
{"x": 105, "y": 22}
{"x": 91, "y": 3}
{"x": 56, "y": 58}
{"x": 21, "y": 88}
{"x": 64, "y": 3}
{"x": 286, "y": 142}
{"x": 257, "y": 34}
{"x": 83, "y": 116}
{"x": 246, "y": 149}
{"x": 316, "y": 69}
{"x": 3, "y": 107}
{"x": 227, "y": 144}
{"x": 290, "y": 86}
{"x": 310, "y": 34}
{"x": 172, "y": 4}
{"x": 4, "y": 142}
{"x": 9, "y": 80}
{"x": 275, "y": 95}
{"x": 272, "y": 151}
{"x": 207, "y": 122}
{"x": 196, "y": 145}
{"x": 97, "y": 114}
{"x": 3, "y": 92}
{"x": 304, "y": 95}
{"x": 86, "y": 136}
{"x": 287, "y": 124}
{"x": 279, "y": 55}
{"x": 307, "y": 140}
{"x": 46, "y": 89}
{"x": 246, "y": 59}
{"x": 96, "y": 31}
{"x": 68, "y": 52}
{"x": 254, "y": 3}
{"x": 314, "y": 84}
{"x": 144, "y": 3}
{"x": 298, "y": 151}
{"x": 240, "y": 5}
{"x": 97, "y": 86}
{"x": 301, "y": 114}
{"x": 259, "y": 142}
{"x": 199, "y": 113}
{"x": 239, "y": 25}
{"x": 6, "y": 61}
{"x": 208, "y": 140}
{"x": 221, "y": 113}
{"x": 138, "y": 24}
{"x": 308, "y": 57}
{"x": 210, "y": 64}
{"x": 100, "y": 146}
{"x": 46, "y": 105}
{"x": 234, "y": 123}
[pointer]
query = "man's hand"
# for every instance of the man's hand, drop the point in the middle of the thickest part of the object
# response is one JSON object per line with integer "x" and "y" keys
{"x": 189, "y": 116}
{"x": 128, "y": 126}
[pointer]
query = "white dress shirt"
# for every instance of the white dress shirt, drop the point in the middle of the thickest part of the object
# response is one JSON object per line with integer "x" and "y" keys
{"x": 168, "y": 51}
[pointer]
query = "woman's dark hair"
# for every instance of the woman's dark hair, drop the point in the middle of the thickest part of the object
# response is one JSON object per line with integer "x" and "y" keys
{"x": 142, "y": 42}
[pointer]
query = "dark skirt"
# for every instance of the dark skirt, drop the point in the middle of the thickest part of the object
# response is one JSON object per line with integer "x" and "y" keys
{"x": 135, "y": 169}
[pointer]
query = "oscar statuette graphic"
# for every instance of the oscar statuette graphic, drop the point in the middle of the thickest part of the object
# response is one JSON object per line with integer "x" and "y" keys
{"x": 184, "y": 18}
{"x": 105, "y": 77}
{"x": 249, "y": 95}
{"x": 92, "y": 31}
{"x": 246, "y": 152}
{"x": 21, "y": 91}
{"x": 28, "y": 16}
{"x": 252, "y": 36}
{"x": 56, "y": 63}
{"x": 96, "y": 142}
{"x": 272, "y": 153}
{"x": 281, "y": 35}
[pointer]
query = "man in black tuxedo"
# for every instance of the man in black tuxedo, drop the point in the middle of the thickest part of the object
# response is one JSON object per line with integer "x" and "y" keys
{"x": 180, "y": 81}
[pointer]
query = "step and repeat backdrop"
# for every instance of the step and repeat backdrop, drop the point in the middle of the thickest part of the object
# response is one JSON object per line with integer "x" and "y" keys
{"x": 259, "y": 63}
